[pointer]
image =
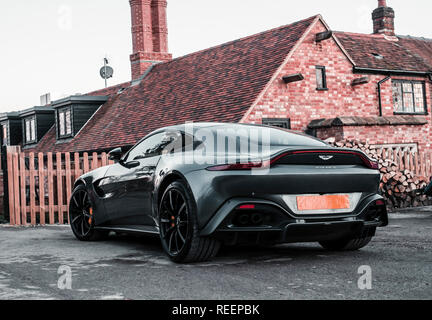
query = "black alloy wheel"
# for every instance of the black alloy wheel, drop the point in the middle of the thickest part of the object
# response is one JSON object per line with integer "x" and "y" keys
{"x": 174, "y": 221}
{"x": 178, "y": 226}
{"x": 81, "y": 216}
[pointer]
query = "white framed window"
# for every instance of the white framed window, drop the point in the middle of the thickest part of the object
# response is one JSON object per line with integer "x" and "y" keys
{"x": 64, "y": 123}
{"x": 409, "y": 97}
{"x": 30, "y": 130}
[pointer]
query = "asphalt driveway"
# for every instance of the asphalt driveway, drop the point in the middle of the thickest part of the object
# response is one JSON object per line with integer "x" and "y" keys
{"x": 35, "y": 263}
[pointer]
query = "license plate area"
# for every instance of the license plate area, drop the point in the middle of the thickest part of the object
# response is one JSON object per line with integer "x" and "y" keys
{"x": 346, "y": 203}
{"x": 323, "y": 202}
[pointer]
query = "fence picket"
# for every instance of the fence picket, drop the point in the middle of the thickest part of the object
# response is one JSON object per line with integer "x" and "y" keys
{"x": 77, "y": 165}
{"x": 104, "y": 159}
{"x": 95, "y": 161}
{"x": 59, "y": 187}
{"x": 32, "y": 189}
{"x": 86, "y": 163}
{"x": 50, "y": 188}
{"x": 41, "y": 188}
{"x": 68, "y": 181}
{"x": 10, "y": 171}
{"x": 23, "y": 187}
{"x": 16, "y": 192}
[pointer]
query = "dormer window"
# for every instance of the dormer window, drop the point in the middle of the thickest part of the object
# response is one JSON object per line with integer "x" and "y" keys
{"x": 11, "y": 126}
{"x": 64, "y": 123}
{"x": 72, "y": 114}
{"x": 30, "y": 130}
{"x": 35, "y": 122}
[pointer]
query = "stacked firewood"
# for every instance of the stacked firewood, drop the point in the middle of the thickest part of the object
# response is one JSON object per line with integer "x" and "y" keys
{"x": 400, "y": 188}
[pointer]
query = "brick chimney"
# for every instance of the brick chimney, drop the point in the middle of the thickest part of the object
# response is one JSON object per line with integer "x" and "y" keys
{"x": 149, "y": 35}
{"x": 383, "y": 19}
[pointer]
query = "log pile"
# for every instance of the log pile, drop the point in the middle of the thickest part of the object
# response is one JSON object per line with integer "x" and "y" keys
{"x": 400, "y": 188}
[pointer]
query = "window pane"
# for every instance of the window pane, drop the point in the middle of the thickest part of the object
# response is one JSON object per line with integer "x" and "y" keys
{"x": 408, "y": 102}
{"x": 33, "y": 129}
{"x": 61, "y": 123}
{"x": 419, "y": 97}
{"x": 147, "y": 148}
{"x": 397, "y": 97}
{"x": 407, "y": 87}
{"x": 68, "y": 122}
{"x": 320, "y": 78}
{"x": 28, "y": 137}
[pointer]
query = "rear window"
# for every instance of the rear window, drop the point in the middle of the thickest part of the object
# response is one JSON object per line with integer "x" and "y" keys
{"x": 257, "y": 135}
{"x": 282, "y": 137}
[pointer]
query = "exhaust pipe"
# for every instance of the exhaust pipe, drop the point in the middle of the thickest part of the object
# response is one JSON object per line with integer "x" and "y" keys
{"x": 257, "y": 219}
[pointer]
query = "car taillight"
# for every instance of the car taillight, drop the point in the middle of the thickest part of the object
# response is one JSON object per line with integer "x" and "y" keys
{"x": 380, "y": 203}
{"x": 240, "y": 166}
{"x": 371, "y": 164}
{"x": 247, "y": 207}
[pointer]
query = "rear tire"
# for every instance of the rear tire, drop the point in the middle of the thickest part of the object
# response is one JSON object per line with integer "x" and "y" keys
{"x": 178, "y": 225}
{"x": 346, "y": 244}
{"x": 81, "y": 216}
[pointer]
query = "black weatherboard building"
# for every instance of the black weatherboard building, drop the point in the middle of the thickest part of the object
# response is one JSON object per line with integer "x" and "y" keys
{"x": 73, "y": 112}
{"x": 36, "y": 122}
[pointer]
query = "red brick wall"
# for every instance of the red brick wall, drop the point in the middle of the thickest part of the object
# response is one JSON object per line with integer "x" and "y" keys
{"x": 301, "y": 102}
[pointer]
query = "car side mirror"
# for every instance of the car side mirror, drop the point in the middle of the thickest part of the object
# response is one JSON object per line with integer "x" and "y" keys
{"x": 116, "y": 154}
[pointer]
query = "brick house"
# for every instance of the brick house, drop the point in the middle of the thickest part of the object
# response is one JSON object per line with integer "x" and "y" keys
{"x": 304, "y": 76}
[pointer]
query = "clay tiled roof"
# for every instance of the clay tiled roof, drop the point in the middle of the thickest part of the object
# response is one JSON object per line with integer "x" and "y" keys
{"x": 388, "y": 53}
{"x": 215, "y": 85}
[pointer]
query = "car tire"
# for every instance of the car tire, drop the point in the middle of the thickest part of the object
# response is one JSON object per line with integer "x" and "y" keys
{"x": 178, "y": 221}
{"x": 346, "y": 244}
{"x": 81, "y": 216}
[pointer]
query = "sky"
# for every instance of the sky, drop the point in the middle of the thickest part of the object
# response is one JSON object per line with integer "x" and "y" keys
{"x": 58, "y": 46}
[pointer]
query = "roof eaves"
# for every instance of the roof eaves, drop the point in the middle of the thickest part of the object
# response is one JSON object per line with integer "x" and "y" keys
{"x": 279, "y": 70}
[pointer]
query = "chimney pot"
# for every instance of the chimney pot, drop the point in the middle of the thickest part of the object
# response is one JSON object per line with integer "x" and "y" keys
{"x": 382, "y": 3}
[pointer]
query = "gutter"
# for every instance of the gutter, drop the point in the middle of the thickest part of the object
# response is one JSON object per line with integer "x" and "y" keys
{"x": 379, "y": 94}
{"x": 395, "y": 72}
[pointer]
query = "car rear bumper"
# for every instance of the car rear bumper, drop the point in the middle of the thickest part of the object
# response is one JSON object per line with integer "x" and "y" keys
{"x": 280, "y": 226}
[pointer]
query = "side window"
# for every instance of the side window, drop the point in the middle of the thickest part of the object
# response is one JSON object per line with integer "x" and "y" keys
{"x": 279, "y": 123}
{"x": 321, "y": 77}
{"x": 147, "y": 148}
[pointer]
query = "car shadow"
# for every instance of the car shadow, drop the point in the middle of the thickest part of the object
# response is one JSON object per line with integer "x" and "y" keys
{"x": 150, "y": 245}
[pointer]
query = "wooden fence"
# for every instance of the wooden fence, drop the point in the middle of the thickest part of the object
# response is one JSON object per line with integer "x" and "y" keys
{"x": 40, "y": 185}
{"x": 419, "y": 163}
